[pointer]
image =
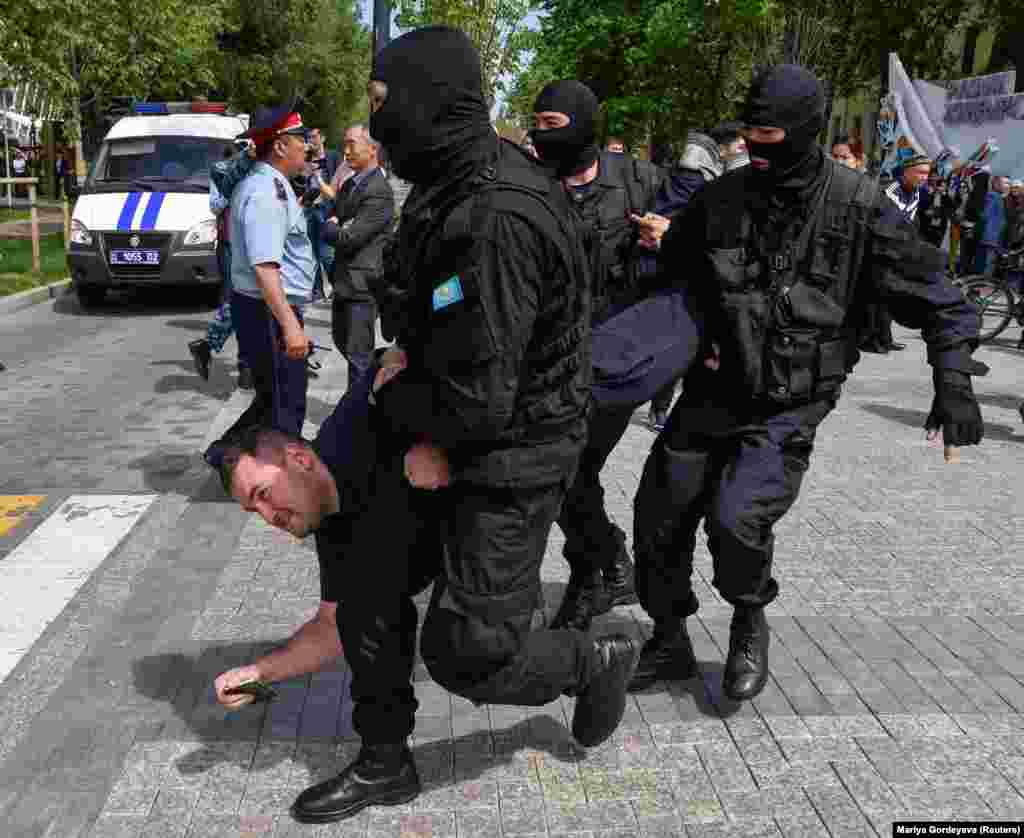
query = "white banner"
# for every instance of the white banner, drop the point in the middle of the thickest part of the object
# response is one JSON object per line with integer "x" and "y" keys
{"x": 978, "y": 118}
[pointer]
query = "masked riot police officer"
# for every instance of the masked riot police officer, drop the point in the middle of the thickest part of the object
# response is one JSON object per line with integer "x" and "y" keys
{"x": 780, "y": 256}
{"x": 605, "y": 189}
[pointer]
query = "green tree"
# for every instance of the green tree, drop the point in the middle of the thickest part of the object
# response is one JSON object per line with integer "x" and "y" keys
{"x": 313, "y": 49}
{"x": 496, "y": 27}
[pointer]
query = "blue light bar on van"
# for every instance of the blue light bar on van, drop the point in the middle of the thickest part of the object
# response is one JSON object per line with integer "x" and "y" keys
{"x": 164, "y": 108}
{"x": 151, "y": 108}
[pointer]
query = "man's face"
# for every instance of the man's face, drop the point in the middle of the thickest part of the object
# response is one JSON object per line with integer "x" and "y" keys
{"x": 291, "y": 150}
{"x": 764, "y": 135}
{"x": 546, "y": 120}
{"x": 914, "y": 176}
{"x": 359, "y": 151}
{"x": 1017, "y": 192}
{"x": 1002, "y": 185}
{"x": 935, "y": 183}
{"x": 376, "y": 95}
{"x": 616, "y": 147}
{"x": 730, "y": 151}
{"x": 282, "y": 493}
{"x": 842, "y": 153}
{"x": 316, "y": 140}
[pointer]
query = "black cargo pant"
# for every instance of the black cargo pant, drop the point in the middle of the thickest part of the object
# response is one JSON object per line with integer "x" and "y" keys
{"x": 592, "y": 539}
{"x": 394, "y": 555}
{"x": 479, "y": 639}
{"x": 740, "y": 472}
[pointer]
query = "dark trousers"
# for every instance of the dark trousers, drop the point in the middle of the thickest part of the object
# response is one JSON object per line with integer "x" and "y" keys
{"x": 592, "y": 539}
{"x": 395, "y": 556}
{"x": 662, "y": 400}
{"x": 876, "y": 327}
{"x": 280, "y": 383}
{"x": 741, "y": 474}
{"x": 479, "y": 639}
{"x": 353, "y": 329}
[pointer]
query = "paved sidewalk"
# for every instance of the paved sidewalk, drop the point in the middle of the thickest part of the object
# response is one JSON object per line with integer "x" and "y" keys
{"x": 897, "y": 669}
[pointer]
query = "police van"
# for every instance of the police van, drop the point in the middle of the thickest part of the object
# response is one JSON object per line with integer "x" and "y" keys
{"x": 143, "y": 216}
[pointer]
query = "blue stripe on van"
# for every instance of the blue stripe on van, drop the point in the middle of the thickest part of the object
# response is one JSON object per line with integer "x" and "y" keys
{"x": 156, "y": 200}
{"x": 131, "y": 203}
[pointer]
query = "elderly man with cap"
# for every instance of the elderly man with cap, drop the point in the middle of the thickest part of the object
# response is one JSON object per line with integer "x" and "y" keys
{"x": 904, "y": 196}
{"x": 272, "y": 273}
{"x": 779, "y": 256}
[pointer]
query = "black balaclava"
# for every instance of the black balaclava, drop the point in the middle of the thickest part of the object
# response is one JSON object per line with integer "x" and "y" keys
{"x": 573, "y": 148}
{"x": 434, "y": 123}
{"x": 786, "y": 96}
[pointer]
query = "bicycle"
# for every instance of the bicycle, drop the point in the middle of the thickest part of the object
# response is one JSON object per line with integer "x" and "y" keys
{"x": 994, "y": 296}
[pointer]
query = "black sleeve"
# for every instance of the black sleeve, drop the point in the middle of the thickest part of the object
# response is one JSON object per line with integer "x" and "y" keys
{"x": 373, "y": 216}
{"x": 909, "y": 276}
{"x": 463, "y": 386}
{"x": 332, "y": 544}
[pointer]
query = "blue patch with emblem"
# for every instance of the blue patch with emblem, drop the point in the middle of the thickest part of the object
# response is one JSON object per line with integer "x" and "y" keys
{"x": 448, "y": 293}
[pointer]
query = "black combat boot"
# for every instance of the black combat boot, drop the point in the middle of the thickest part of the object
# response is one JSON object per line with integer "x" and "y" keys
{"x": 584, "y": 599}
{"x": 667, "y": 656}
{"x": 382, "y": 775}
{"x": 619, "y": 579}
{"x": 746, "y": 668}
{"x": 200, "y": 350}
{"x": 599, "y": 707}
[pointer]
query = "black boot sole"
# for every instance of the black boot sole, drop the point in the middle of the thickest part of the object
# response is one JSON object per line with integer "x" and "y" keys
{"x": 395, "y": 798}
{"x": 626, "y": 597}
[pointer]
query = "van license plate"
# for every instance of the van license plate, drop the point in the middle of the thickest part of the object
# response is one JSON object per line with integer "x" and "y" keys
{"x": 134, "y": 257}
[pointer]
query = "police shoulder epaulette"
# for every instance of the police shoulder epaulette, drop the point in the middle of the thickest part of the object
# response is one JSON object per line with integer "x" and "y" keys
{"x": 279, "y": 188}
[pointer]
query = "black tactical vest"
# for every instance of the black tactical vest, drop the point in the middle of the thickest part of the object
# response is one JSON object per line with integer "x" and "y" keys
{"x": 783, "y": 304}
{"x": 555, "y": 384}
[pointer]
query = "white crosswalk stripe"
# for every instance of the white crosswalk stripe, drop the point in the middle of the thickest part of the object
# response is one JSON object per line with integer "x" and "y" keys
{"x": 42, "y": 574}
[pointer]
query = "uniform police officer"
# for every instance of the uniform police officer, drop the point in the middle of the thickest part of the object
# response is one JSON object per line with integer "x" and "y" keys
{"x": 272, "y": 273}
{"x": 779, "y": 257}
{"x": 605, "y": 188}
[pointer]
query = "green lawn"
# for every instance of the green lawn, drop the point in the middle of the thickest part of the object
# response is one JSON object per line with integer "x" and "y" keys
{"x": 16, "y": 263}
{"x": 13, "y": 215}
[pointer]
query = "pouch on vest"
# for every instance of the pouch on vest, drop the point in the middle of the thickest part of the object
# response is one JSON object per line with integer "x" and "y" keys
{"x": 745, "y": 309}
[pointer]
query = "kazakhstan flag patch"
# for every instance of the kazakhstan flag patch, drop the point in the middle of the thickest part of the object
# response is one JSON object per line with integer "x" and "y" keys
{"x": 448, "y": 293}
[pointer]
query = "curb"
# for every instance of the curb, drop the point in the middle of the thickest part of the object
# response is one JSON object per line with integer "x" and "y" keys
{"x": 23, "y": 299}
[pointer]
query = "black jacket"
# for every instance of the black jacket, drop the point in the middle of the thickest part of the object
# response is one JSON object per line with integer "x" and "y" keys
{"x": 365, "y": 212}
{"x": 496, "y": 326}
{"x": 623, "y": 185}
{"x": 784, "y": 347}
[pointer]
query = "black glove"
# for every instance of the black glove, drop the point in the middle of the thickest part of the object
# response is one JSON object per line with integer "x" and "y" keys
{"x": 955, "y": 409}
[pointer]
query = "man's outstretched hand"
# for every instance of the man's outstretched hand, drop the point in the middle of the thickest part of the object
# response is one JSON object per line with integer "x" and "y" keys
{"x": 426, "y": 466}
{"x": 955, "y": 413}
{"x": 235, "y": 678}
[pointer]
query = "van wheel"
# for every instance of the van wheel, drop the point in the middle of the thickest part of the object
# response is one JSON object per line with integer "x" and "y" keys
{"x": 90, "y": 296}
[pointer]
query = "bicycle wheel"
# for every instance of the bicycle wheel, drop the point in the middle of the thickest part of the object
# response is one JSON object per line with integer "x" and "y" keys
{"x": 995, "y": 304}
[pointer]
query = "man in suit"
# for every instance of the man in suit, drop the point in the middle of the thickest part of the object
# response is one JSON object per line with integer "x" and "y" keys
{"x": 364, "y": 211}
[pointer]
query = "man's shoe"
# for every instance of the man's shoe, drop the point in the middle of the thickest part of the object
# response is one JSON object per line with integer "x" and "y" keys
{"x": 201, "y": 354}
{"x": 746, "y": 668}
{"x": 244, "y": 378}
{"x": 584, "y": 599}
{"x": 600, "y": 706}
{"x": 667, "y": 656}
{"x": 895, "y": 347}
{"x": 619, "y": 579}
{"x": 382, "y": 775}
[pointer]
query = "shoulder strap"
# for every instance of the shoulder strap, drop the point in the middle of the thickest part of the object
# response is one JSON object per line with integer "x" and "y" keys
{"x": 813, "y": 219}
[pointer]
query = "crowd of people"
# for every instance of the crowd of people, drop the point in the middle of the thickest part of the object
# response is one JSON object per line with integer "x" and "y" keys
{"x": 534, "y": 298}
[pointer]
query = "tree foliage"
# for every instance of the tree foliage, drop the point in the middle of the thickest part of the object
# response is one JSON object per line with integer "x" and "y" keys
{"x": 660, "y": 67}
{"x": 496, "y": 27}
{"x": 89, "y": 51}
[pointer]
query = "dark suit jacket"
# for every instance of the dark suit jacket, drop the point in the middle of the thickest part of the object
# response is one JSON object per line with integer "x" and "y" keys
{"x": 365, "y": 213}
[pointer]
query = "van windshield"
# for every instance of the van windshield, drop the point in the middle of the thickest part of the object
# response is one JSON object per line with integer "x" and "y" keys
{"x": 168, "y": 163}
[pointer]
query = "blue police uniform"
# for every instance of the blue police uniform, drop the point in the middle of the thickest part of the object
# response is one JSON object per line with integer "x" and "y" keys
{"x": 268, "y": 226}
